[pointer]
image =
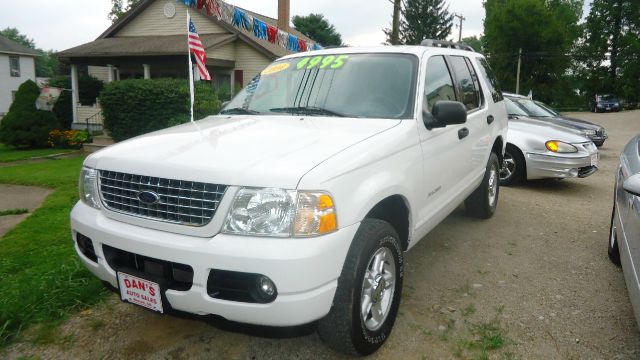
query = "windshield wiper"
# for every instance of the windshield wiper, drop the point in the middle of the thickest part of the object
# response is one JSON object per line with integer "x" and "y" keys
{"x": 307, "y": 110}
{"x": 238, "y": 110}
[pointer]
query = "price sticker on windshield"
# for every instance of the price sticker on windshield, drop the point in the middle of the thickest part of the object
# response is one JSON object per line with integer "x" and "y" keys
{"x": 323, "y": 62}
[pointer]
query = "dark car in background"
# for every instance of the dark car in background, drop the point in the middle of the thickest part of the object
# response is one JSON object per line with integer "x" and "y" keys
{"x": 604, "y": 103}
{"x": 543, "y": 112}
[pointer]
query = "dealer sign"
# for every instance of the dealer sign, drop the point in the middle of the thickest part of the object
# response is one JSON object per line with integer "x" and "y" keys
{"x": 140, "y": 292}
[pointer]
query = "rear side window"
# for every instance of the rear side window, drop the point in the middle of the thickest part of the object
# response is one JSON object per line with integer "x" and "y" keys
{"x": 469, "y": 92}
{"x": 438, "y": 84}
{"x": 494, "y": 87}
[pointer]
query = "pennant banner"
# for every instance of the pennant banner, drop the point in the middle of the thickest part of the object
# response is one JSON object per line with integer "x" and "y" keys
{"x": 242, "y": 20}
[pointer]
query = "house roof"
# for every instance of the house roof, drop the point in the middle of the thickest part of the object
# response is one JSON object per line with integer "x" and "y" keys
{"x": 8, "y": 46}
{"x": 144, "y": 46}
{"x": 99, "y": 47}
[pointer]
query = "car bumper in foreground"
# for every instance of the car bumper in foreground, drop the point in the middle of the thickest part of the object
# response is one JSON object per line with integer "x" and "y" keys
{"x": 552, "y": 166}
{"x": 305, "y": 271}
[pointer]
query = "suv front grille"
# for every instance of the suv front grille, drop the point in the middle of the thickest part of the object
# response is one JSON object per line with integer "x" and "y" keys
{"x": 178, "y": 201}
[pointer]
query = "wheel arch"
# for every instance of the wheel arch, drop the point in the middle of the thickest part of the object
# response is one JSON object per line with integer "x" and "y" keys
{"x": 524, "y": 174}
{"x": 396, "y": 211}
{"x": 498, "y": 148}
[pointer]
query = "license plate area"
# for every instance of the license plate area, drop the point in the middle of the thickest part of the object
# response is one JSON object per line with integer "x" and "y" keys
{"x": 141, "y": 292}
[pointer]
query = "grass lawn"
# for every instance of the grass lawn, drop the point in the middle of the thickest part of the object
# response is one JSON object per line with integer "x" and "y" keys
{"x": 41, "y": 280}
{"x": 8, "y": 154}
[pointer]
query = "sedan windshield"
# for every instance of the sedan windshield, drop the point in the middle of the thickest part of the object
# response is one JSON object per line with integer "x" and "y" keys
{"x": 513, "y": 109}
{"x": 531, "y": 108}
{"x": 349, "y": 85}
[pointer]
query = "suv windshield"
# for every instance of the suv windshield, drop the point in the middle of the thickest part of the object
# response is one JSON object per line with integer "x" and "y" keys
{"x": 531, "y": 108}
{"x": 344, "y": 85}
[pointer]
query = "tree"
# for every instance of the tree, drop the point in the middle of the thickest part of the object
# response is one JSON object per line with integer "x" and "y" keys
{"x": 47, "y": 64}
{"x": 474, "y": 42}
{"x": 318, "y": 28}
{"x": 611, "y": 32}
{"x": 121, "y": 7}
{"x": 423, "y": 19}
{"x": 545, "y": 30}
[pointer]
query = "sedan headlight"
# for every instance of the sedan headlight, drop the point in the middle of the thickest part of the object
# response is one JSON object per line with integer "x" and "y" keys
{"x": 280, "y": 213}
{"x": 88, "y": 187}
{"x": 589, "y": 133}
{"x": 560, "y": 147}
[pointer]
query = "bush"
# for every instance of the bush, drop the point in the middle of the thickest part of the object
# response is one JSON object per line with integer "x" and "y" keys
{"x": 89, "y": 87}
{"x": 135, "y": 107}
{"x": 24, "y": 126}
{"x": 68, "y": 138}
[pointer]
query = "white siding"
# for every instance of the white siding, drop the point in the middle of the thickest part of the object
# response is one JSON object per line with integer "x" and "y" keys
{"x": 226, "y": 52}
{"x": 85, "y": 112}
{"x": 250, "y": 61}
{"x": 153, "y": 22}
{"x": 8, "y": 84}
{"x": 99, "y": 72}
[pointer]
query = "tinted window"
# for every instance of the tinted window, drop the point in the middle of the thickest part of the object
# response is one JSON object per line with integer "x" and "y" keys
{"x": 438, "y": 83}
{"x": 470, "y": 96}
{"x": 494, "y": 88}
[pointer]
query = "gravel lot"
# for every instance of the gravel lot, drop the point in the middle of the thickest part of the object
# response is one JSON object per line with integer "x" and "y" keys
{"x": 533, "y": 282}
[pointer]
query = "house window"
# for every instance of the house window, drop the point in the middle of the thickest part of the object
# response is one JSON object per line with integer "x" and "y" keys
{"x": 14, "y": 66}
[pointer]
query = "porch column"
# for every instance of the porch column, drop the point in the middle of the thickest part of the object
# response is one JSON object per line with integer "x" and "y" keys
{"x": 232, "y": 83}
{"x": 75, "y": 99}
{"x": 110, "y": 73}
{"x": 147, "y": 71}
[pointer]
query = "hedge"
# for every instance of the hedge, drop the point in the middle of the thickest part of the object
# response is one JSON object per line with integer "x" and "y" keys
{"x": 89, "y": 89}
{"x": 24, "y": 126}
{"x": 135, "y": 107}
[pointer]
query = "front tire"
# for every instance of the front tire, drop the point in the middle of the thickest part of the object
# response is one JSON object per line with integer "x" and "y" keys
{"x": 514, "y": 168}
{"x": 612, "y": 249}
{"x": 369, "y": 289}
{"x": 483, "y": 201}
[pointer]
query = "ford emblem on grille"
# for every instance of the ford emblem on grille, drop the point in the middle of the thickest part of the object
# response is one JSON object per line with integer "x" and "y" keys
{"x": 148, "y": 197}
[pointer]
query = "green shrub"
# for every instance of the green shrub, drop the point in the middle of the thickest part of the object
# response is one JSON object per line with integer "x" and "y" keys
{"x": 89, "y": 89}
{"x": 24, "y": 126}
{"x": 135, "y": 107}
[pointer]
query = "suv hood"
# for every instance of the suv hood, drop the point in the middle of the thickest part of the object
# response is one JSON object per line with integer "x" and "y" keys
{"x": 261, "y": 151}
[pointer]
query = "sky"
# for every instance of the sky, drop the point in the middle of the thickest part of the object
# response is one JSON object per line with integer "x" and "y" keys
{"x": 62, "y": 24}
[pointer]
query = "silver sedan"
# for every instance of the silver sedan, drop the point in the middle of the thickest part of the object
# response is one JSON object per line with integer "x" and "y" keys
{"x": 624, "y": 237}
{"x": 538, "y": 150}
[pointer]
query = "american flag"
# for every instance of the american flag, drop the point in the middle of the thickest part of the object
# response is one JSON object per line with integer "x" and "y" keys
{"x": 195, "y": 46}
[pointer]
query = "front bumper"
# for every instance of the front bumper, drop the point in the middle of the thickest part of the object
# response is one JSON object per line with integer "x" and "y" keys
{"x": 541, "y": 166}
{"x": 305, "y": 271}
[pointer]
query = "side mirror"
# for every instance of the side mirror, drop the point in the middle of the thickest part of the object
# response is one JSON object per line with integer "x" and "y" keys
{"x": 444, "y": 113}
{"x": 632, "y": 185}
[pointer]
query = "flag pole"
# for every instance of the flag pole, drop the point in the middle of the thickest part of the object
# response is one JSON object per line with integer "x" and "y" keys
{"x": 191, "y": 90}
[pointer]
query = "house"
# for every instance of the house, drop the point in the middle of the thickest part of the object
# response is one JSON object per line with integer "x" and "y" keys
{"x": 150, "y": 42}
{"x": 17, "y": 65}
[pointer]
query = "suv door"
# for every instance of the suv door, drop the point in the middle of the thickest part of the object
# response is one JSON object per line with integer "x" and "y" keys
{"x": 478, "y": 142}
{"x": 441, "y": 150}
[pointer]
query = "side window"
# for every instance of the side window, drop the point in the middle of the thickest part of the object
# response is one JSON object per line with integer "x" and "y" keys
{"x": 438, "y": 84}
{"x": 494, "y": 87}
{"x": 14, "y": 66}
{"x": 476, "y": 82}
{"x": 469, "y": 94}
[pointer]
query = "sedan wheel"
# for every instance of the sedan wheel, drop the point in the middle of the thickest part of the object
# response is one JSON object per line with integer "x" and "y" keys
{"x": 613, "y": 250}
{"x": 513, "y": 166}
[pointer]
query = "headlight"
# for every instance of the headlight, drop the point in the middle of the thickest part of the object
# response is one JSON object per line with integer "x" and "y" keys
{"x": 88, "y": 187}
{"x": 589, "y": 132}
{"x": 280, "y": 213}
{"x": 560, "y": 147}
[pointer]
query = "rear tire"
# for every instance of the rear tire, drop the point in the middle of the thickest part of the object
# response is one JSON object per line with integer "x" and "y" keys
{"x": 369, "y": 289}
{"x": 514, "y": 167}
{"x": 612, "y": 249}
{"x": 483, "y": 201}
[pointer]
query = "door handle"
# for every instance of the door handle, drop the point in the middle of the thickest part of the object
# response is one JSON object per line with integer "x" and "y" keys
{"x": 463, "y": 133}
{"x": 490, "y": 119}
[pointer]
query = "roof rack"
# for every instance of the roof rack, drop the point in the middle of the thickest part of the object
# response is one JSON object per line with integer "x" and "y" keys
{"x": 446, "y": 44}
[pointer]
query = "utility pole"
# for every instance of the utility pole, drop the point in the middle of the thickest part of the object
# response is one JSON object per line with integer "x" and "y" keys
{"x": 518, "y": 74}
{"x": 395, "y": 26}
{"x": 461, "y": 18}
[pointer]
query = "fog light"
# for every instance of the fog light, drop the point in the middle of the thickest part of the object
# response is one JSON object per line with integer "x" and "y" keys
{"x": 573, "y": 172}
{"x": 266, "y": 288}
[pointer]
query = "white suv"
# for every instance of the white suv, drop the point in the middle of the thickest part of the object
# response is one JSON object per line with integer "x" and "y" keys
{"x": 296, "y": 204}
